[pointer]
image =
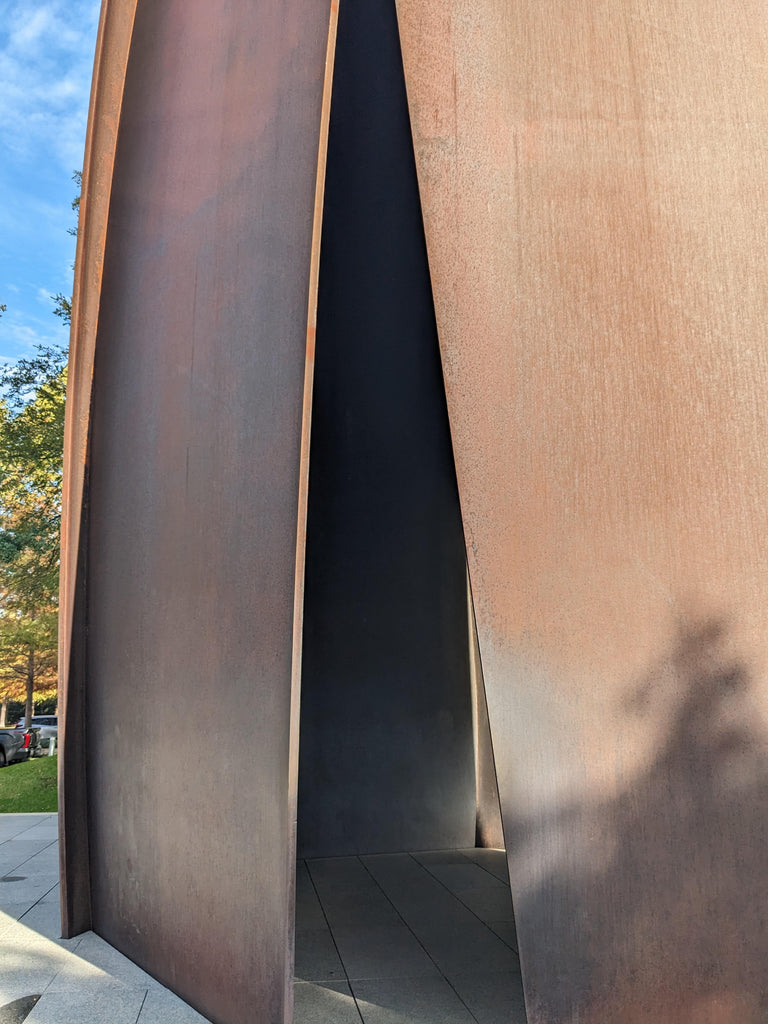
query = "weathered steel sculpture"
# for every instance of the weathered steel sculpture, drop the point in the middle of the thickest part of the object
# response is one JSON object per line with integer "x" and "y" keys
{"x": 190, "y": 579}
{"x": 592, "y": 181}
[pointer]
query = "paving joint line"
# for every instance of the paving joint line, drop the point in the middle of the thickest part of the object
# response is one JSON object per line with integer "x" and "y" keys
{"x": 485, "y": 869}
{"x": 31, "y": 856}
{"x": 461, "y": 901}
{"x": 33, "y": 825}
{"x": 333, "y": 940}
{"x": 146, "y": 993}
{"x": 482, "y": 867}
{"x": 413, "y": 933}
{"x": 40, "y": 900}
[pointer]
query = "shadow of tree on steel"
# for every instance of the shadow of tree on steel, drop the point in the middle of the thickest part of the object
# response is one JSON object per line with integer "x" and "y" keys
{"x": 657, "y": 911}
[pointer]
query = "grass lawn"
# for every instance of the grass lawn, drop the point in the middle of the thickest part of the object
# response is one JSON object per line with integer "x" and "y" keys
{"x": 29, "y": 786}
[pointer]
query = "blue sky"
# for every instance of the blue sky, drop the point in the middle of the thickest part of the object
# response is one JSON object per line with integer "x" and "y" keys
{"x": 46, "y": 61}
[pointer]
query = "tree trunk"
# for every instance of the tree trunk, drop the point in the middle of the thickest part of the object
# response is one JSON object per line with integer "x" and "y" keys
{"x": 3, "y": 712}
{"x": 29, "y": 710}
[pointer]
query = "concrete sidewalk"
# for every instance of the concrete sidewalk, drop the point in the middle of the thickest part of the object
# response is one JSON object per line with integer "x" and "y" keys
{"x": 78, "y": 981}
{"x": 393, "y": 939}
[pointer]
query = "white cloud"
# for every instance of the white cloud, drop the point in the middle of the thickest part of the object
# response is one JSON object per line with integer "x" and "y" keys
{"x": 27, "y": 32}
{"x": 46, "y": 59}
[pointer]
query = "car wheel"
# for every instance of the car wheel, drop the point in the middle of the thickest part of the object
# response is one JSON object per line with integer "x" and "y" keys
{"x": 3, "y": 762}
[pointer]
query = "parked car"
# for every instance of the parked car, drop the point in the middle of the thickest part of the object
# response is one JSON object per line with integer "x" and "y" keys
{"x": 16, "y": 745}
{"x": 48, "y": 726}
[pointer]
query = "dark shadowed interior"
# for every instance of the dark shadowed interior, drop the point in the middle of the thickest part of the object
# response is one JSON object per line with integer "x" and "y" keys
{"x": 386, "y": 747}
{"x": 400, "y": 912}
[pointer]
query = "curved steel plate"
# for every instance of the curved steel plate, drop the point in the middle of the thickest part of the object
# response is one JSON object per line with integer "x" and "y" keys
{"x": 196, "y": 492}
{"x": 112, "y": 46}
{"x": 594, "y": 182}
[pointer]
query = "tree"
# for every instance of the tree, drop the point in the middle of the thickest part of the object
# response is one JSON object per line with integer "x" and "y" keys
{"x": 31, "y": 454}
{"x": 62, "y": 305}
{"x": 31, "y": 445}
{"x": 28, "y": 655}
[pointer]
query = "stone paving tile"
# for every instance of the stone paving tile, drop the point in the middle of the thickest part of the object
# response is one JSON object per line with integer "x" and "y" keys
{"x": 44, "y": 919}
{"x": 469, "y": 947}
{"x": 28, "y": 816}
{"x": 390, "y": 952}
{"x": 390, "y": 865}
{"x": 15, "y": 862}
{"x": 7, "y": 922}
{"x": 13, "y": 912}
{"x": 442, "y": 910}
{"x": 408, "y": 883}
{"x": 27, "y": 838}
{"x": 40, "y": 948}
{"x": 43, "y": 831}
{"x": 46, "y": 922}
{"x": 27, "y": 891}
{"x": 47, "y": 839}
{"x": 28, "y": 963}
{"x": 316, "y": 957}
{"x": 97, "y": 959}
{"x": 339, "y": 874}
{"x": 53, "y": 895}
{"x": 86, "y": 981}
{"x": 46, "y": 858}
{"x": 163, "y": 1007}
{"x": 440, "y": 857}
{"x": 13, "y": 824}
{"x": 8, "y": 830}
{"x": 329, "y": 1003}
{"x": 352, "y": 909}
{"x": 506, "y": 931}
{"x": 82, "y": 980}
{"x": 494, "y": 861}
{"x": 465, "y": 876}
{"x": 309, "y": 914}
{"x": 492, "y": 998}
{"x": 19, "y": 985}
{"x": 488, "y": 904}
{"x": 35, "y": 869}
{"x": 17, "y": 851}
{"x": 102, "y": 1004}
{"x": 410, "y": 1001}
{"x": 419, "y": 897}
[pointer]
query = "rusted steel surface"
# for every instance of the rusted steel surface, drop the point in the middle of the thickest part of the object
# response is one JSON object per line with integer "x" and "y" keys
{"x": 112, "y": 47}
{"x": 198, "y": 423}
{"x": 594, "y": 183}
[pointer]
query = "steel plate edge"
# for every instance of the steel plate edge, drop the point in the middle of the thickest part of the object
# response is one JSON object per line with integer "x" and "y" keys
{"x": 303, "y": 492}
{"x": 111, "y": 57}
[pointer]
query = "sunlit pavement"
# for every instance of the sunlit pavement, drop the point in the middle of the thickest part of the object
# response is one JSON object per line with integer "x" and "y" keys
{"x": 395, "y": 939}
{"x": 78, "y": 981}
